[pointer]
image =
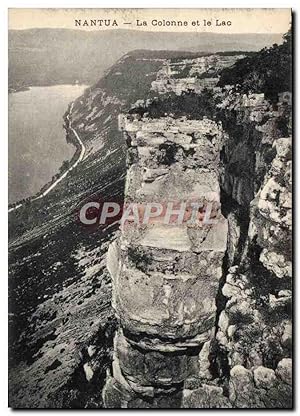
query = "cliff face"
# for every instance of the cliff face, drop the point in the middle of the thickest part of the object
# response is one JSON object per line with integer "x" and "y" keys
{"x": 254, "y": 328}
{"x": 203, "y": 322}
{"x": 60, "y": 316}
{"x": 205, "y": 313}
{"x": 165, "y": 302}
{"x": 61, "y": 320}
{"x": 61, "y": 56}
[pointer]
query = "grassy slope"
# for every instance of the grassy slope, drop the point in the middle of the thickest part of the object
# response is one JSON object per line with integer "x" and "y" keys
{"x": 52, "y": 259}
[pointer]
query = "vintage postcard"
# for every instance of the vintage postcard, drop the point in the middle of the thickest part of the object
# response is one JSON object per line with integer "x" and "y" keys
{"x": 150, "y": 208}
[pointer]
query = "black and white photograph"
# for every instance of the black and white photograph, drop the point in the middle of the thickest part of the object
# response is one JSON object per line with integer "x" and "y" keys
{"x": 150, "y": 199}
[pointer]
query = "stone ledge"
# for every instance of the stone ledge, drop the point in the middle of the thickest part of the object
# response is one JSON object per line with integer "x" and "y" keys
{"x": 170, "y": 306}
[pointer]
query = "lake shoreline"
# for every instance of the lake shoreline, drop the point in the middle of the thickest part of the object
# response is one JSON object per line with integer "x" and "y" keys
{"x": 76, "y": 158}
{"x": 60, "y": 174}
{"x": 22, "y": 88}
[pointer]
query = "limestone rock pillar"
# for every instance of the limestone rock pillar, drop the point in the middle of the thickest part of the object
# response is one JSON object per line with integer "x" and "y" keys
{"x": 165, "y": 273}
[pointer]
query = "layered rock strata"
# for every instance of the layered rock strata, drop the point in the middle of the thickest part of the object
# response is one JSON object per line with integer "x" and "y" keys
{"x": 166, "y": 273}
{"x": 191, "y": 74}
{"x": 247, "y": 362}
{"x": 255, "y": 327}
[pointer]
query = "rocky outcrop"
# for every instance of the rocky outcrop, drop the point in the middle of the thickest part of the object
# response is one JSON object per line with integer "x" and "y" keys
{"x": 166, "y": 273}
{"x": 191, "y": 74}
{"x": 244, "y": 359}
{"x": 59, "y": 295}
{"x": 271, "y": 216}
{"x": 254, "y": 326}
{"x": 261, "y": 387}
{"x": 198, "y": 326}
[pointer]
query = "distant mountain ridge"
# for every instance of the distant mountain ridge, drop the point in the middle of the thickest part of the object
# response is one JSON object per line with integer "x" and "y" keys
{"x": 61, "y": 56}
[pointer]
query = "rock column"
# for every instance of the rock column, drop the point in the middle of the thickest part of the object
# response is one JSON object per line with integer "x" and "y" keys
{"x": 165, "y": 271}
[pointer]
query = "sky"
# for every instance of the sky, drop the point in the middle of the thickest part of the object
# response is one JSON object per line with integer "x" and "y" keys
{"x": 242, "y": 20}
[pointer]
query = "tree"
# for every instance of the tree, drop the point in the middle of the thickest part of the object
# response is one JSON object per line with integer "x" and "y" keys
{"x": 268, "y": 71}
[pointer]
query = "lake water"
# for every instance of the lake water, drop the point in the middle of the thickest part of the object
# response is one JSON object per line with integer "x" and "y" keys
{"x": 37, "y": 142}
